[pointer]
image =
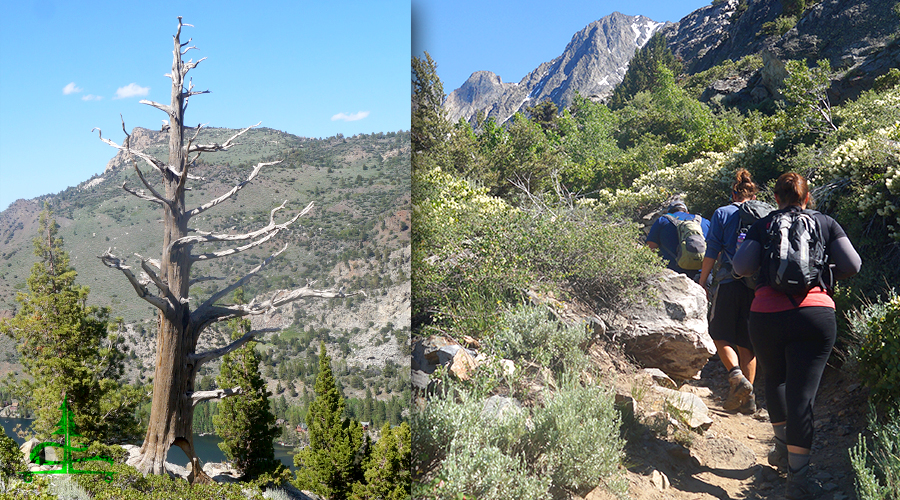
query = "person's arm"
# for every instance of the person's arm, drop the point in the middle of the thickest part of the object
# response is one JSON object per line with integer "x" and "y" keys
{"x": 845, "y": 258}
{"x": 652, "y": 244}
{"x": 747, "y": 259}
{"x": 705, "y": 269}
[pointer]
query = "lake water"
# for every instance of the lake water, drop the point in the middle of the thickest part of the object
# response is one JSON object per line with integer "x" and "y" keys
{"x": 207, "y": 447}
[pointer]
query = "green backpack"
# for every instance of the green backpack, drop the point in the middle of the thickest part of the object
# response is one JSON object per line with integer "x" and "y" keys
{"x": 691, "y": 243}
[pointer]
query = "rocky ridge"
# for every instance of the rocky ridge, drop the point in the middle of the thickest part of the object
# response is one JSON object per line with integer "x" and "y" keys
{"x": 593, "y": 62}
{"x": 858, "y": 37}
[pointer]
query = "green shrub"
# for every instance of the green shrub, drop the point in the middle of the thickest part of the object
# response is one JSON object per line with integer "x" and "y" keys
{"x": 66, "y": 488}
{"x": 531, "y": 333}
{"x": 878, "y": 325}
{"x": 877, "y": 468}
{"x": 463, "y": 446}
{"x": 475, "y": 451}
{"x": 576, "y": 438}
{"x": 473, "y": 254}
{"x": 892, "y": 77}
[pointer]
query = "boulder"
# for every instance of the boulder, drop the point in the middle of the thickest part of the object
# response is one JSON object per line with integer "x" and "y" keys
{"x": 434, "y": 351}
{"x": 668, "y": 329}
{"x": 690, "y": 407}
{"x": 463, "y": 364}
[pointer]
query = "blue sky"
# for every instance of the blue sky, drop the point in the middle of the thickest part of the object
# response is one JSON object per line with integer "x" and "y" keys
{"x": 312, "y": 69}
{"x": 513, "y": 37}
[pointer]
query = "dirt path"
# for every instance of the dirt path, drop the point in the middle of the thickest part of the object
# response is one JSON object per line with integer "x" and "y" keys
{"x": 728, "y": 461}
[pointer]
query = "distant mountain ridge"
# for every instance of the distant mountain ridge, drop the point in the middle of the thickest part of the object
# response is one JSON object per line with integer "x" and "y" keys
{"x": 592, "y": 63}
{"x": 858, "y": 37}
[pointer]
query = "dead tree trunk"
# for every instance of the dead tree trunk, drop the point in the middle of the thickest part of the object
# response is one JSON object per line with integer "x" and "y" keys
{"x": 180, "y": 325}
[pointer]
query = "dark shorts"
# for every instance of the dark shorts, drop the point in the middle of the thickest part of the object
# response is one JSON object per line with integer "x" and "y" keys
{"x": 729, "y": 314}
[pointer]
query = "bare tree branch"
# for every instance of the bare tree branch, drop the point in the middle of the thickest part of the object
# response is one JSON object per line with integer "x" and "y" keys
{"x": 114, "y": 262}
{"x": 155, "y": 163}
{"x": 159, "y": 198}
{"x": 140, "y": 194}
{"x": 160, "y": 284}
{"x": 207, "y": 314}
{"x": 266, "y": 233}
{"x": 234, "y": 286}
{"x": 162, "y": 107}
{"x": 235, "y": 189}
{"x": 150, "y": 260}
{"x": 201, "y": 279}
{"x": 198, "y": 397}
{"x": 212, "y": 148}
{"x": 200, "y": 358}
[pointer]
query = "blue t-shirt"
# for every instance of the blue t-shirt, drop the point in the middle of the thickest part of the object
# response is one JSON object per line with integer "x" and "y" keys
{"x": 722, "y": 235}
{"x": 664, "y": 233}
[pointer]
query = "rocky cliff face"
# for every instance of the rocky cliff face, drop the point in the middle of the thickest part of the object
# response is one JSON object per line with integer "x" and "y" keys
{"x": 592, "y": 64}
{"x": 858, "y": 37}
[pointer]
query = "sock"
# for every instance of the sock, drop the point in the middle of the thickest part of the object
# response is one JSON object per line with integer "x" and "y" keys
{"x": 797, "y": 461}
{"x": 780, "y": 433}
{"x": 735, "y": 372}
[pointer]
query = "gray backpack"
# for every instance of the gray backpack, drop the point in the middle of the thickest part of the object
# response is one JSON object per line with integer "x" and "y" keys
{"x": 750, "y": 211}
{"x": 794, "y": 254}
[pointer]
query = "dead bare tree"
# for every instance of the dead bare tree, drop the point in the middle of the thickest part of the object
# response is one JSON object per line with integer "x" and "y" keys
{"x": 180, "y": 325}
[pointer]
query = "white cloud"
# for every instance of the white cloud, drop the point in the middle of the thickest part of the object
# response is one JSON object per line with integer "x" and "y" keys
{"x": 350, "y": 118}
{"x": 71, "y": 89}
{"x": 91, "y": 97}
{"x": 131, "y": 90}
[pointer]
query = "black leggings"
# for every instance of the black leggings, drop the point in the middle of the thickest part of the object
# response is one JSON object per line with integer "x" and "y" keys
{"x": 793, "y": 347}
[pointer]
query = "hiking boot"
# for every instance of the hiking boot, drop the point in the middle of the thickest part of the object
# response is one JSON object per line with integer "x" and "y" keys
{"x": 778, "y": 455}
{"x": 749, "y": 406}
{"x": 739, "y": 392}
{"x": 800, "y": 486}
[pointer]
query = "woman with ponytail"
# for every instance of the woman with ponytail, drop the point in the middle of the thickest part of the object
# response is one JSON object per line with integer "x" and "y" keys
{"x": 730, "y": 298}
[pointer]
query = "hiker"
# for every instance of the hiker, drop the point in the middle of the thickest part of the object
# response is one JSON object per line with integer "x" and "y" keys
{"x": 730, "y": 296}
{"x": 793, "y": 332}
{"x": 664, "y": 236}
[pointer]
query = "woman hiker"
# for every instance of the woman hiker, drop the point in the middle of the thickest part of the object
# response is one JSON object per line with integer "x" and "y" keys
{"x": 792, "y": 335}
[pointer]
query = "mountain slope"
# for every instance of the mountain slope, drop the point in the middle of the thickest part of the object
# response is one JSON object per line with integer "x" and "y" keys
{"x": 357, "y": 236}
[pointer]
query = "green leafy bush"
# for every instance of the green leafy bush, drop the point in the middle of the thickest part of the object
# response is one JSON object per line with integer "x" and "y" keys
{"x": 878, "y": 325}
{"x": 474, "y": 253}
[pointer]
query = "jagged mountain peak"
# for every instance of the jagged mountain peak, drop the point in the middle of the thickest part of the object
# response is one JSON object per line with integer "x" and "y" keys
{"x": 593, "y": 62}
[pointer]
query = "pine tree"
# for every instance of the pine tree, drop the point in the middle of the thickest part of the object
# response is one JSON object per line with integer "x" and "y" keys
{"x": 244, "y": 422}
{"x": 387, "y": 470}
{"x": 643, "y": 72}
{"x": 429, "y": 122}
{"x": 329, "y": 465}
{"x": 66, "y": 347}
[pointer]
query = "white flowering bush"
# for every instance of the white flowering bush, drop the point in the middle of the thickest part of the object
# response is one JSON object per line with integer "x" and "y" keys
{"x": 704, "y": 182}
{"x": 871, "y": 162}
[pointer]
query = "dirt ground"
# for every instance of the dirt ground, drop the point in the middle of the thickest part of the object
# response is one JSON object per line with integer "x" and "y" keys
{"x": 728, "y": 461}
